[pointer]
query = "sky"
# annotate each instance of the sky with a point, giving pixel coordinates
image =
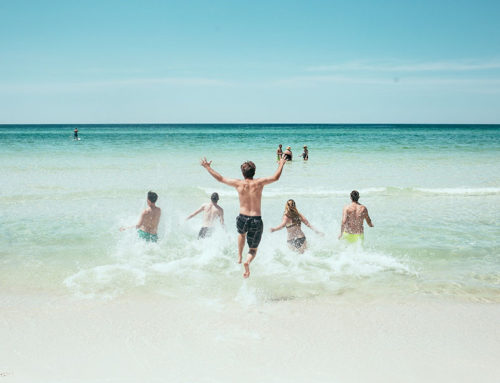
(251, 62)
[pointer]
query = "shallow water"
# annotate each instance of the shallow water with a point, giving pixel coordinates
(433, 193)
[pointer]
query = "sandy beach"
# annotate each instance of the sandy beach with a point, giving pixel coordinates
(157, 339)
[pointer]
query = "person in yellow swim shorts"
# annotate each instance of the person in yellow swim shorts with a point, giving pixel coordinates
(351, 238)
(353, 216)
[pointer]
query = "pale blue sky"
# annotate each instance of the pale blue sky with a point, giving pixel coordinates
(257, 61)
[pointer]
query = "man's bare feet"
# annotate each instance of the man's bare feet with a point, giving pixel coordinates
(246, 274)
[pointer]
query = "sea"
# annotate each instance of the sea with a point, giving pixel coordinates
(432, 191)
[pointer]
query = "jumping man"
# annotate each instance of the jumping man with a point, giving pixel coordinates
(249, 222)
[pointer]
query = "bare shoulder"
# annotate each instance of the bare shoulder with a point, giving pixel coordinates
(261, 181)
(238, 182)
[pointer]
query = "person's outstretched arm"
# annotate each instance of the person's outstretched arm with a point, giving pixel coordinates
(368, 219)
(196, 212)
(344, 220)
(228, 181)
(280, 226)
(308, 224)
(276, 176)
(139, 223)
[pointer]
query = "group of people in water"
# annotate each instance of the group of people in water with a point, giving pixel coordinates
(288, 155)
(249, 223)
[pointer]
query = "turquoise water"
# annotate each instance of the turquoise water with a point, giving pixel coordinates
(433, 193)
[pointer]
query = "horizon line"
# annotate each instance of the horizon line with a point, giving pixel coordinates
(246, 123)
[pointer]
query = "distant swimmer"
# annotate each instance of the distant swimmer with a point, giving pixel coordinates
(292, 220)
(305, 154)
(75, 134)
(211, 211)
(147, 227)
(353, 216)
(249, 223)
(279, 152)
(287, 155)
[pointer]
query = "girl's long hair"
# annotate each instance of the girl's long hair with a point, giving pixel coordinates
(291, 211)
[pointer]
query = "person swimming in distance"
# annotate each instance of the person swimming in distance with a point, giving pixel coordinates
(305, 154)
(147, 227)
(279, 152)
(353, 216)
(75, 134)
(292, 220)
(287, 155)
(211, 211)
(249, 223)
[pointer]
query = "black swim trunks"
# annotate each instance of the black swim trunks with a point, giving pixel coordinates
(253, 226)
(205, 232)
(297, 242)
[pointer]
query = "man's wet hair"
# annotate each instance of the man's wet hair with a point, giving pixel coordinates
(248, 169)
(214, 197)
(152, 196)
(355, 195)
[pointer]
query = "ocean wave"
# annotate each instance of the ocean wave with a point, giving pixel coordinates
(389, 190)
(460, 191)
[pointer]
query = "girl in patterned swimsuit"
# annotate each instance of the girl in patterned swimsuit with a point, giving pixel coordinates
(292, 220)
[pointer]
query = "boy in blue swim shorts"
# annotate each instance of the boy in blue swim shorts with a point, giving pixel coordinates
(147, 227)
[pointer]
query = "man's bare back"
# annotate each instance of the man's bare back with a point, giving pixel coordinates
(147, 226)
(249, 189)
(250, 195)
(149, 220)
(353, 216)
(211, 212)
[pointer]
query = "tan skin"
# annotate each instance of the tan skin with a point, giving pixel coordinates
(211, 211)
(295, 231)
(305, 155)
(149, 219)
(250, 196)
(353, 217)
(279, 152)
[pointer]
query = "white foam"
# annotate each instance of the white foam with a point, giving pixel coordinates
(460, 191)
(275, 192)
(105, 282)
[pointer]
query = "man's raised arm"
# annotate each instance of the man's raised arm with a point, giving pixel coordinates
(276, 176)
(228, 181)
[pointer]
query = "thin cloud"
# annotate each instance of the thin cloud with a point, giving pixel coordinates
(432, 66)
(490, 85)
(112, 84)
